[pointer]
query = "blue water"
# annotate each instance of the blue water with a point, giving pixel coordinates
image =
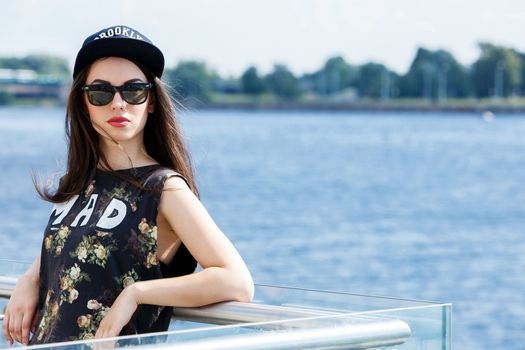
(422, 206)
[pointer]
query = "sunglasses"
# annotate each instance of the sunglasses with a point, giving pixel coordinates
(132, 93)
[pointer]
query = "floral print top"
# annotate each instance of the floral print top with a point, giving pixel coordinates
(96, 244)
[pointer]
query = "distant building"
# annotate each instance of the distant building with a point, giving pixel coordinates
(26, 83)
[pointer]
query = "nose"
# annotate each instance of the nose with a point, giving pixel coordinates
(118, 102)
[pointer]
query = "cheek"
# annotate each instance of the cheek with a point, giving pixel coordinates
(142, 111)
(95, 117)
(91, 114)
(144, 118)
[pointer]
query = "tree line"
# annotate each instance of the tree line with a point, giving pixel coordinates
(498, 72)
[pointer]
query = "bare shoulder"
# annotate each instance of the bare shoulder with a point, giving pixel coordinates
(175, 183)
(178, 202)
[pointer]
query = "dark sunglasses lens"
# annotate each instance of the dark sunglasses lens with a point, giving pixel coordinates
(134, 93)
(100, 95)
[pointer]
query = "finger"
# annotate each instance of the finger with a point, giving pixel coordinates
(12, 327)
(26, 325)
(18, 328)
(5, 328)
(34, 322)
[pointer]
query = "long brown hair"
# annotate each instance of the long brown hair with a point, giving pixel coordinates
(163, 141)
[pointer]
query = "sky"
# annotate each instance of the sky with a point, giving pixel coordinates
(231, 35)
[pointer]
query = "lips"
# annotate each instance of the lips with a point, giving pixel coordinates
(119, 121)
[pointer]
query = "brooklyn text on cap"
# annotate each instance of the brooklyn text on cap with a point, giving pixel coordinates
(120, 41)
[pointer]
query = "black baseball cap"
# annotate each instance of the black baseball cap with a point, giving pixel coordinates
(121, 41)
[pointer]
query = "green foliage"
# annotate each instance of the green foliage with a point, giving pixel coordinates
(375, 80)
(283, 83)
(42, 64)
(458, 80)
(434, 74)
(335, 76)
(522, 59)
(190, 79)
(251, 83)
(230, 85)
(498, 71)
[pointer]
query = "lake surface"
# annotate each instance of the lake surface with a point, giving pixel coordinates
(421, 206)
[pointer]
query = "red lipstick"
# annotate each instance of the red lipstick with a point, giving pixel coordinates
(119, 121)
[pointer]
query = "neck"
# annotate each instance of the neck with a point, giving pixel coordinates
(125, 155)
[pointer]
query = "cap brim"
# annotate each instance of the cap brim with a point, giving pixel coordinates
(142, 52)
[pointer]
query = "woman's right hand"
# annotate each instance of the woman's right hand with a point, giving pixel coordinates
(20, 312)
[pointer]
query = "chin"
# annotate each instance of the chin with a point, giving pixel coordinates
(120, 137)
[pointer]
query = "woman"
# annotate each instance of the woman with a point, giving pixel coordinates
(127, 227)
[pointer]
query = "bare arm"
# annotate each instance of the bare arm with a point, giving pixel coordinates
(20, 312)
(224, 275)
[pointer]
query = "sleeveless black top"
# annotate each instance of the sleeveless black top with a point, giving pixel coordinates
(96, 244)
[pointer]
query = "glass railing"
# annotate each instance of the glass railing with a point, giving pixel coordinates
(285, 318)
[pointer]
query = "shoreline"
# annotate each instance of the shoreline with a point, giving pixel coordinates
(289, 106)
(355, 107)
